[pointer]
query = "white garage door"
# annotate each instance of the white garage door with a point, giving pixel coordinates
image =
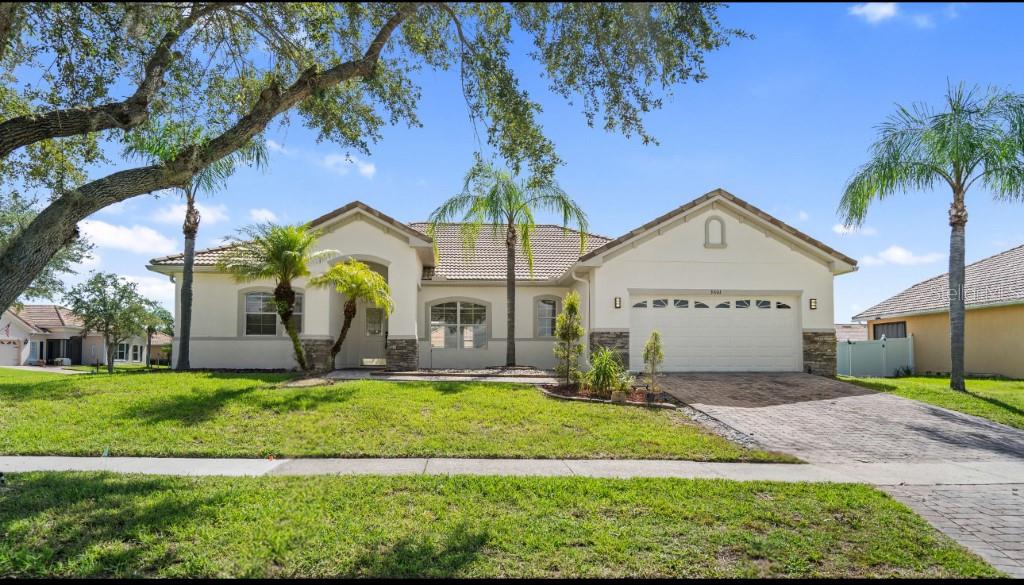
(10, 353)
(746, 333)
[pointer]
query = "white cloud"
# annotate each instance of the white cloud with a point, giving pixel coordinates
(90, 262)
(900, 256)
(262, 215)
(923, 21)
(137, 239)
(175, 214)
(803, 216)
(157, 288)
(853, 230)
(343, 164)
(875, 12)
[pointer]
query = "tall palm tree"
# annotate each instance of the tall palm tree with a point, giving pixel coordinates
(494, 198)
(356, 282)
(163, 143)
(978, 138)
(280, 253)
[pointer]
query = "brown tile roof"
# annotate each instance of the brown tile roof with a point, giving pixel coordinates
(994, 280)
(732, 199)
(207, 257)
(48, 316)
(554, 251)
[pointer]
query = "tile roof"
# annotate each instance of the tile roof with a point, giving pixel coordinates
(851, 332)
(554, 251)
(207, 257)
(994, 280)
(48, 316)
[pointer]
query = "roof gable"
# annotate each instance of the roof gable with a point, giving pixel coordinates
(995, 280)
(781, 228)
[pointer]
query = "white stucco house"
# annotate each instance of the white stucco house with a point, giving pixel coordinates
(729, 287)
(51, 334)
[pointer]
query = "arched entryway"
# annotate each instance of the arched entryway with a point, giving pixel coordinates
(366, 341)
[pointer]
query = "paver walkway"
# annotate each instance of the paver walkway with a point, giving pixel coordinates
(826, 421)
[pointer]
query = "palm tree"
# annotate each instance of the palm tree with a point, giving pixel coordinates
(164, 143)
(978, 138)
(356, 282)
(156, 320)
(280, 253)
(494, 198)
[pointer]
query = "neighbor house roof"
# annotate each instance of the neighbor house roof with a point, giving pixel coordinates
(731, 199)
(851, 332)
(996, 280)
(46, 317)
(554, 248)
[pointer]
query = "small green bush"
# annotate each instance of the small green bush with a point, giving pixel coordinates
(606, 373)
(653, 356)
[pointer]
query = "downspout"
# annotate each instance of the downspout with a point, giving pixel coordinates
(572, 273)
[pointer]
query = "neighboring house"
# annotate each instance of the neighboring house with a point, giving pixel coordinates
(851, 332)
(730, 288)
(161, 348)
(994, 325)
(51, 334)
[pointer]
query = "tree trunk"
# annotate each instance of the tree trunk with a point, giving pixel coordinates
(510, 295)
(110, 357)
(284, 298)
(190, 228)
(149, 349)
(350, 313)
(957, 292)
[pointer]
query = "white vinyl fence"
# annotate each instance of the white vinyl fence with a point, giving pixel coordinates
(882, 358)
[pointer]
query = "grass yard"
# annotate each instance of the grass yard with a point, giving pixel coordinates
(1001, 401)
(247, 415)
(101, 525)
(117, 368)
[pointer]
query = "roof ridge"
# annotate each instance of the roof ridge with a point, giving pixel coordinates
(553, 225)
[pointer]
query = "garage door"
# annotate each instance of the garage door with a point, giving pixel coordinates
(10, 352)
(744, 333)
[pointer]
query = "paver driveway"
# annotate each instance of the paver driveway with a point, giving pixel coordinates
(828, 421)
(822, 420)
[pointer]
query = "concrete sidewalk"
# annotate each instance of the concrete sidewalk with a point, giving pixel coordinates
(881, 474)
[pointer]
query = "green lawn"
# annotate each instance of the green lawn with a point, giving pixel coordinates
(236, 415)
(99, 525)
(117, 368)
(999, 400)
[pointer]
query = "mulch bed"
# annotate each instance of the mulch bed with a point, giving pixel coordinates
(637, 394)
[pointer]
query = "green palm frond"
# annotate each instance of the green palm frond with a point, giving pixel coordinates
(357, 281)
(978, 137)
(272, 252)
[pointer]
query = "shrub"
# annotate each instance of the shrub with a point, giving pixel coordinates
(653, 356)
(568, 332)
(606, 373)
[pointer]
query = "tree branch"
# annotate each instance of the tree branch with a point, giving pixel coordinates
(21, 131)
(26, 254)
(8, 14)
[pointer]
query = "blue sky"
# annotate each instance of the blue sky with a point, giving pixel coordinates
(782, 121)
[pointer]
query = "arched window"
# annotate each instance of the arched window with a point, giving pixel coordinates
(714, 233)
(458, 325)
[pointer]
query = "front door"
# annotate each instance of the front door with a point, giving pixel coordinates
(375, 334)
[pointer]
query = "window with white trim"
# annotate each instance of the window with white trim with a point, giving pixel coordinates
(458, 325)
(122, 352)
(547, 313)
(374, 320)
(136, 353)
(260, 314)
(297, 312)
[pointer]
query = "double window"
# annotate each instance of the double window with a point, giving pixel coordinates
(261, 313)
(136, 353)
(122, 352)
(458, 325)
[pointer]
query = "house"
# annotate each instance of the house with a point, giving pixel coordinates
(729, 287)
(994, 320)
(51, 334)
(851, 332)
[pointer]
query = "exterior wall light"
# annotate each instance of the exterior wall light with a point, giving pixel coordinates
(814, 304)
(618, 302)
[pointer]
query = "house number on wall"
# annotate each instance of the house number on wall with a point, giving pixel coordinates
(715, 291)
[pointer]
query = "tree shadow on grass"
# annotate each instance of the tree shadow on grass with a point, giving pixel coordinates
(200, 406)
(418, 556)
(997, 403)
(60, 389)
(98, 522)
